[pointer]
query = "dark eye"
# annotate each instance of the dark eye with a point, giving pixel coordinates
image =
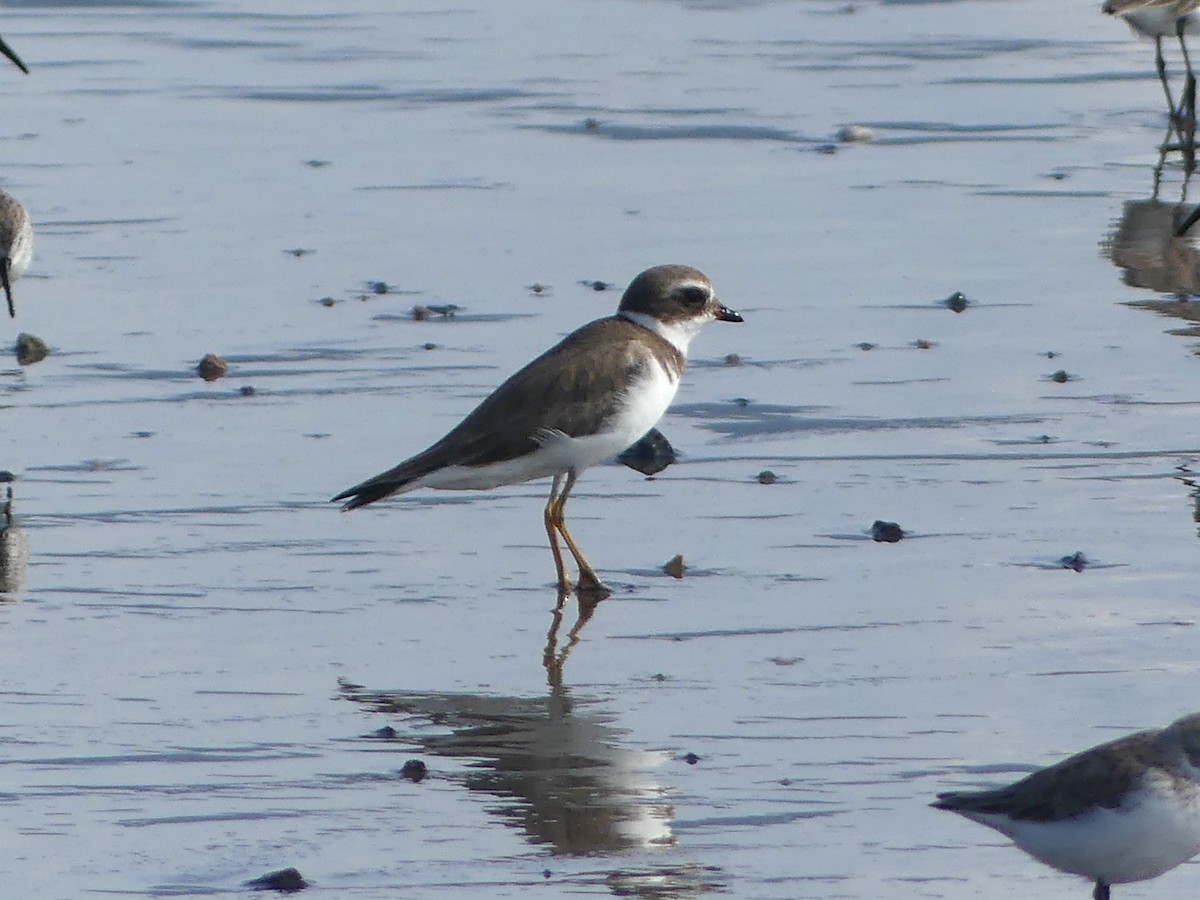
(693, 296)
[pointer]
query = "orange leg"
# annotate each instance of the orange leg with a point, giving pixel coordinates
(551, 516)
(588, 579)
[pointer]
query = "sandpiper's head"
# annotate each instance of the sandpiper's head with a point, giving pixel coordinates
(677, 296)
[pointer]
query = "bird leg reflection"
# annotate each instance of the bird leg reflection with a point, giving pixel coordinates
(556, 524)
(552, 658)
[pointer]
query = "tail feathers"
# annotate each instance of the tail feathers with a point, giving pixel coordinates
(367, 492)
(393, 481)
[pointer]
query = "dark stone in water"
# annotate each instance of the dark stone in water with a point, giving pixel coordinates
(956, 302)
(1062, 376)
(414, 770)
(377, 287)
(30, 349)
(211, 367)
(732, 359)
(597, 285)
(286, 881)
(650, 455)
(387, 733)
(1076, 561)
(865, 345)
(886, 532)
(691, 758)
(247, 391)
(766, 476)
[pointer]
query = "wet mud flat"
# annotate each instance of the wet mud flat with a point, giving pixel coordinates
(210, 674)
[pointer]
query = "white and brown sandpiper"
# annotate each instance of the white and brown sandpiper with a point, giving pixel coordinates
(581, 402)
(1124, 811)
(16, 245)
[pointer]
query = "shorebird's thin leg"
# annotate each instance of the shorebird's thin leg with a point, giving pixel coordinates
(5, 265)
(588, 579)
(1101, 891)
(1187, 103)
(1160, 63)
(552, 515)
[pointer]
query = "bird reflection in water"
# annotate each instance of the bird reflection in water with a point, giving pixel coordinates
(557, 770)
(14, 547)
(1155, 246)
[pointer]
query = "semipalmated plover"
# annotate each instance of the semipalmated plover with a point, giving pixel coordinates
(16, 244)
(1123, 811)
(583, 401)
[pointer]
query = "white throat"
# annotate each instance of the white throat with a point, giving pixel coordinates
(678, 334)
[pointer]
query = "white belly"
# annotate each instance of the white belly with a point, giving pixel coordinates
(1137, 841)
(644, 404)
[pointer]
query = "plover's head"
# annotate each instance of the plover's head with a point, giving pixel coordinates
(675, 302)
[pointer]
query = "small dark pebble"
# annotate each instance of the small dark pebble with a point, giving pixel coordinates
(211, 367)
(675, 566)
(923, 344)
(1052, 354)
(377, 287)
(286, 881)
(1059, 176)
(328, 301)
(732, 359)
(1076, 561)
(317, 163)
(387, 733)
(414, 770)
(538, 288)
(956, 302)
(429, 346)
(650, 455)
(886, 532)
(865, 345)
(691, 758)
(247, 390)
(299, 251)
(741, 402)
(597, 285)
(1062, 376)
(30, 349)
(766, 476)
(546, 873)
(590, 124)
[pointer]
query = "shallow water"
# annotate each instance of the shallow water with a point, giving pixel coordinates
(197, 671)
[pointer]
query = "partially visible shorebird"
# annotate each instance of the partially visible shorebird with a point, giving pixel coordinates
(12, 55)
(583, 401)
(1124, 811)
(16, 245)
(1158, 19)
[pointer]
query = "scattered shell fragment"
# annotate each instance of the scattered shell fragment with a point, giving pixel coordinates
(211, 367)
(855, 134)
(675, 566)
(30, 349)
